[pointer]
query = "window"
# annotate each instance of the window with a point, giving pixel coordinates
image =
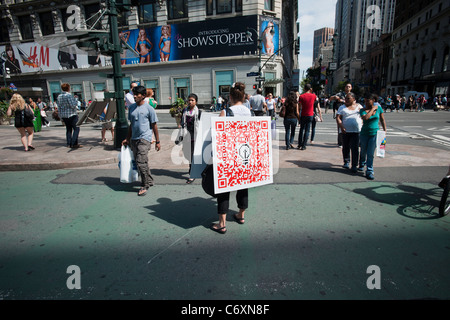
(433, 63)
(268, 5)
(445, 61)
(182, 87)
(46, 19)
(4, 34)
(209, 8)
(25, 27)
(92, 14)
(154, 85)
(99, 86)
(238, 6)
(147, 11)
(177, 9)
(223, 6)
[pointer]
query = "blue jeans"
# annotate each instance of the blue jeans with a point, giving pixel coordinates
(289, 125)
(368, 145)
(72, 131)
(305, 128)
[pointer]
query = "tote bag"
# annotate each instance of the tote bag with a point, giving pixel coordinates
(127, 166)
(381, 143)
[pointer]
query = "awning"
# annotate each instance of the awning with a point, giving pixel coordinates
(273, 82)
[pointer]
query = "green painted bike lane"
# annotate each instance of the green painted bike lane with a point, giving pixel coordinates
(299, 241)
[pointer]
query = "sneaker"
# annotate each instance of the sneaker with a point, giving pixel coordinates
(346, 166)
(353, 170)
(370, 176)
(360, 169)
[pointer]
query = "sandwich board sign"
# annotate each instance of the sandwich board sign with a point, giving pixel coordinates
(242, 152)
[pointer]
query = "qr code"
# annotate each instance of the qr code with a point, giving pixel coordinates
(242, 152)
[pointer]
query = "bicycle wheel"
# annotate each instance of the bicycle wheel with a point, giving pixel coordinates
(444, 206)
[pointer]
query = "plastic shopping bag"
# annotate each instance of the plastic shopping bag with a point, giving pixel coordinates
(127, 166)
(381, 143)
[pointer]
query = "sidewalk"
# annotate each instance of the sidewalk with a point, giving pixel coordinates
(51, 152)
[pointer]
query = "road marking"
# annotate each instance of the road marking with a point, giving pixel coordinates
(437, 136)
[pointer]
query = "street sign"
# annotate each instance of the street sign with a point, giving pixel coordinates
(252, 74)
(260, 79)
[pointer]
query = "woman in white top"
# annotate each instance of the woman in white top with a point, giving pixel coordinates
(237, 94)
(350, 123)
(271, 102)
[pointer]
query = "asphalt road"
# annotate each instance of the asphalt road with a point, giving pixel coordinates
(316, 233)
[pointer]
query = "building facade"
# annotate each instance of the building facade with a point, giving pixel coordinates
(322, 38)
(175, 47)
(420, 48)
(360, 25)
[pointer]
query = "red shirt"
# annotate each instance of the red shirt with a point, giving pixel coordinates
(307, 104)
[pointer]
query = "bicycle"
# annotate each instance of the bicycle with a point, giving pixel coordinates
(444, 206)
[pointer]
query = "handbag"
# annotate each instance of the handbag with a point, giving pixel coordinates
(317, 118)
(282, 112)
(208, 180)
(43, 114)
(55, 115)
(127, 166)
(29, 114)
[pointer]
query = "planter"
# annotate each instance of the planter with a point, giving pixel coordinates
(6, 121)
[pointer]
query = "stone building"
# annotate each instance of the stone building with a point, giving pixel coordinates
(175, 47)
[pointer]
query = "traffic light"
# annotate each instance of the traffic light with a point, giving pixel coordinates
(297, 46)
(255, 86)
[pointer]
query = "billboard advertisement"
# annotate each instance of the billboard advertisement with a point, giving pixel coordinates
(171, 42)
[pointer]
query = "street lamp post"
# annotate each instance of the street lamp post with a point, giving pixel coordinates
(121, 129)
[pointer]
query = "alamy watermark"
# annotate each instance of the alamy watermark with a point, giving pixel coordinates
(373, 17)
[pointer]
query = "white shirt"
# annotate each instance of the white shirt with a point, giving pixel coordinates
(270, 104)
(351, 119)
(240, 110)
(129, 99)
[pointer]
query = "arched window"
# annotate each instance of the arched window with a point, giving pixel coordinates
(405, 65)
(433, 63)
(445, 60)
(422, 66)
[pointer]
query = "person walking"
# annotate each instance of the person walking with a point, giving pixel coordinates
(371, 114)
(317, 118)
(339, 100)
(67, 110)
(349, 120)
(289, 111)
(143, 124)
(237, 93)
(22, 121)
(43, 107)
(190, 120)
(129, 97)
(37, 122)
(306, 106)
(258, 103)
(270, 102)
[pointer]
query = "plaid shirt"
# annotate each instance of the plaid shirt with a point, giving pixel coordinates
(67, 105)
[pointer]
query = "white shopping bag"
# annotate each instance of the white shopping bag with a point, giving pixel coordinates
(127, 166)
(381, 143)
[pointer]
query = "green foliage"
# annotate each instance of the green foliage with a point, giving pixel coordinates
(3, 108)
(177, 107)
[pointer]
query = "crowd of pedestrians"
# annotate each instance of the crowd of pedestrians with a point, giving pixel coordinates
(357, 125)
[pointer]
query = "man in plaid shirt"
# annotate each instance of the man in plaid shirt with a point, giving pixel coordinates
(67, 109)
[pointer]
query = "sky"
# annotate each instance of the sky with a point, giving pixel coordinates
(313, 15)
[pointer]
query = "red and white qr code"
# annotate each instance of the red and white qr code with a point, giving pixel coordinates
(242, 152)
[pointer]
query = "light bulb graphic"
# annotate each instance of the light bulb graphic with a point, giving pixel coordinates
(245, 152)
